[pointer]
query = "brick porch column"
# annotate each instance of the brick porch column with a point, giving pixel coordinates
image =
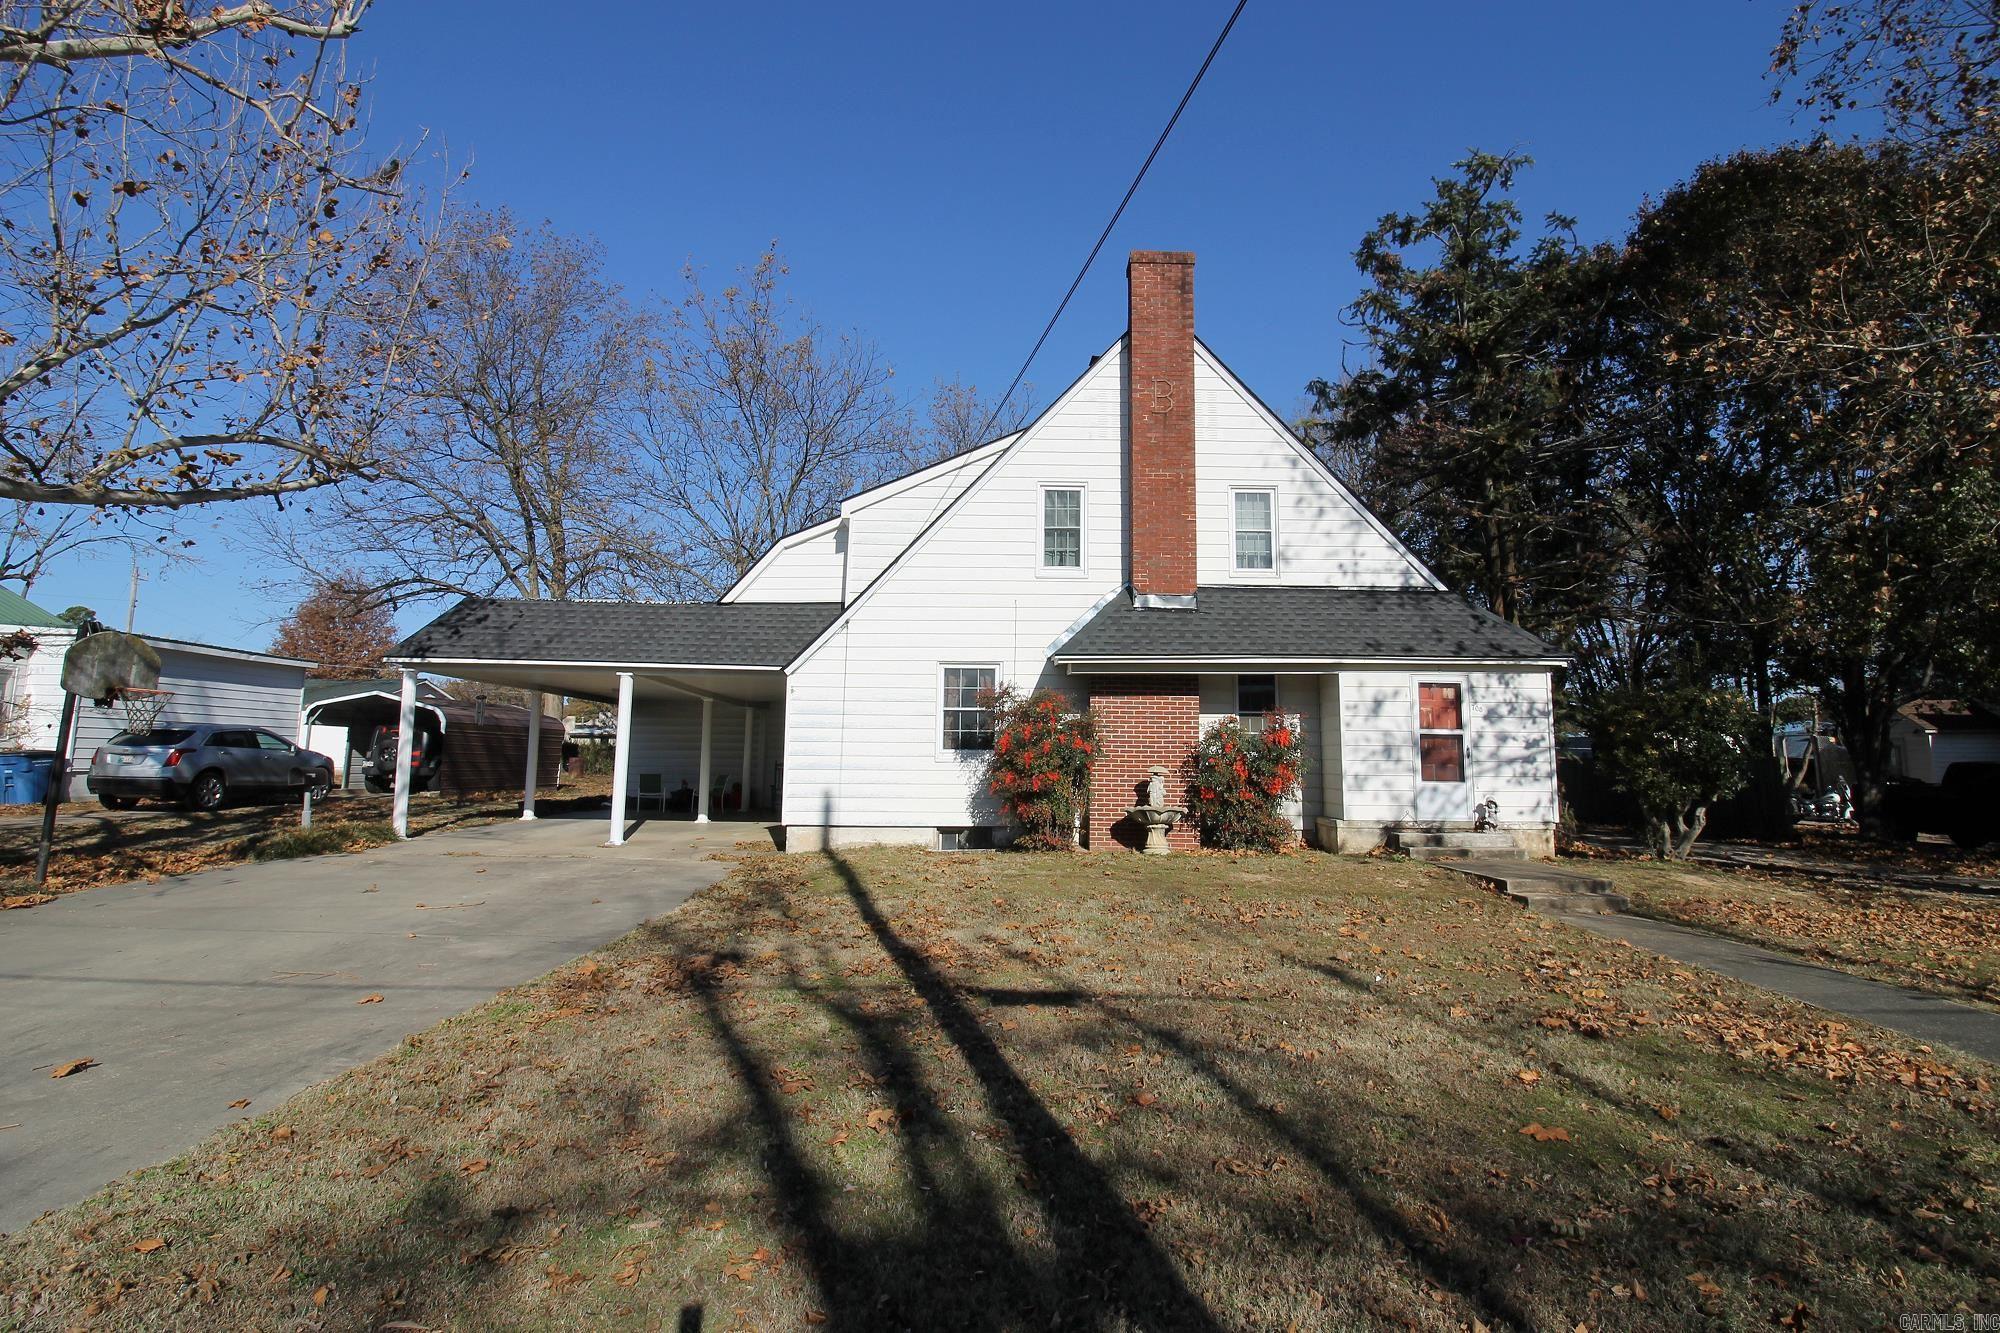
(1141, 721)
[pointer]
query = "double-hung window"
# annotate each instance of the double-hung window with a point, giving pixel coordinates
(1441, 731)
(1255, 696)
(968, 707)
(1254, 527)
(1062, 529)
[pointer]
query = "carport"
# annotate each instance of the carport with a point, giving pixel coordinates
(686, 679)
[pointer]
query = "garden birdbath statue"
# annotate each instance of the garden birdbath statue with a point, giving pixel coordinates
(1156, 816)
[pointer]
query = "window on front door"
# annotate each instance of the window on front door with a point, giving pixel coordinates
(1255, 527)
(1441, 731)
(968, 707)
(1062, 527)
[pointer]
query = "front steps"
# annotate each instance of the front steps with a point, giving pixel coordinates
(1541, 887)
(1456, 846)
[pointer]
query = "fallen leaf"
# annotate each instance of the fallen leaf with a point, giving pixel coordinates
(881, 1118)
(1541, 1133)
(319, 1296)
(838, 1139)
(1666, 1112)
(1703, 1285)
(68, 1067)
(151, 1243)
(1144, 1098)
(369, 999)
(475, 1166)
(1529, 1077)
(239, 1103)
(281, 1131)
(14, 900)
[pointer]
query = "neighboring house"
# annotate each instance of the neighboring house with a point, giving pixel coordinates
(1156, 543)
(485, 745)
(209, 684)
(1927, 736)
(31, 684)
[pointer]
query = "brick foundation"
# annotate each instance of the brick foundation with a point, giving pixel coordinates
(1141, 721)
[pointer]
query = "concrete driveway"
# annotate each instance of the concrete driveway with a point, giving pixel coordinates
(194, 992)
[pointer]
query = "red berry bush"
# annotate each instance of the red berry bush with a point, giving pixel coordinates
(1040, 769)
(1237, 780)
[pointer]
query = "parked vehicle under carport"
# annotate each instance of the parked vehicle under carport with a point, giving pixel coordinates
(203, 766)
(1964, 806)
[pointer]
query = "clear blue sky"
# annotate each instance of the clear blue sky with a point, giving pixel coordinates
(935, 173)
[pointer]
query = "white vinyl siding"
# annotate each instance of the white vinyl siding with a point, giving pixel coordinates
(1509, 743)
(862, 747)
(803, 568)
(1324, 539)
(878, 530)
(666, 739)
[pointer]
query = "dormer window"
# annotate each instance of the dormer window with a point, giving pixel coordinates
(1255, 531)
(1062, 529)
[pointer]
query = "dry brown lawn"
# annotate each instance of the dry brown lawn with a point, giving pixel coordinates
(900, 1090)
(1948, 943)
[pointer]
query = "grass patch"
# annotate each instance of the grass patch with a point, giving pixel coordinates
(320, 839)
(897, 1089)
(1947, 943)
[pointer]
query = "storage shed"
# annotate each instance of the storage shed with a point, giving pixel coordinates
(1930, 735)
(484, 744)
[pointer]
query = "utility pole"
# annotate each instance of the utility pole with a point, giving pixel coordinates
(132, 606)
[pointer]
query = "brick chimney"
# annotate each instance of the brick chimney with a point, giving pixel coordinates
(1159, 460)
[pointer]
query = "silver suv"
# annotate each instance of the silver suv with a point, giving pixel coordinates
(202, 766)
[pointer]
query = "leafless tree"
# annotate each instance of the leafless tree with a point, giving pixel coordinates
(758, 419)
(507, 471)
(203, 272)
(959, 419)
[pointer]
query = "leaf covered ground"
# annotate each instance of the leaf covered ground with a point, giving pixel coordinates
(95, 847)
(902, 1090)
(1948, 943)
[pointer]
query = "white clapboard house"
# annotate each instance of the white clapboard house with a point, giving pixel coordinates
(1157, 543)
(210, 683)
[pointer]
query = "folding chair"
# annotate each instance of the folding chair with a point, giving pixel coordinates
(652, 787)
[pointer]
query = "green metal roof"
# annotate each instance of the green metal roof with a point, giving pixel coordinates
(18, 610)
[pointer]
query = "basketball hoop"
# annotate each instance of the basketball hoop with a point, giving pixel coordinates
(142, 707)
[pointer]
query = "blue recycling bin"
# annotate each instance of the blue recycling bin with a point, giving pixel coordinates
(14, 763)
(23, 787)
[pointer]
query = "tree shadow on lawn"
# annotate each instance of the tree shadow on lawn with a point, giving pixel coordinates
(963, 1256)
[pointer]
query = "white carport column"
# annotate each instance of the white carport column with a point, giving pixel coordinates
(534, 756)
(406, 726)
(749, 722)
(707, 752)
(621, 761)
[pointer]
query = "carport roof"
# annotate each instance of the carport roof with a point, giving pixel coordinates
(623, 634)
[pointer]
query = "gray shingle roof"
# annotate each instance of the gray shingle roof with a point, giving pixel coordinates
(1304, 623)
(739, 634)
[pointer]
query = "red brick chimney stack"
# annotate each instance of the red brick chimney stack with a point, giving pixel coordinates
(1159, 471)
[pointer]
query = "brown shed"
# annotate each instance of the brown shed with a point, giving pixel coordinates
(484, 745)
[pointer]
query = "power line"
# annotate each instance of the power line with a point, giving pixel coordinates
(1117, 213)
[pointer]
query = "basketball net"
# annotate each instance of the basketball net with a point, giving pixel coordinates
(142, 707)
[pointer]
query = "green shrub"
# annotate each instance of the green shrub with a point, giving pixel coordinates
(1238, 780)
(1040, 769)
(1675, 750)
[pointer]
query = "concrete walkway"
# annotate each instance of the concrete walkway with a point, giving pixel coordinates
(244, 982)
(1928, 1018)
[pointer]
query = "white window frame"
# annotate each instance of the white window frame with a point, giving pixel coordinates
(1243, 719)
(1047, 571)
(1237, 571)
(938, 707)
(1464, 732)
